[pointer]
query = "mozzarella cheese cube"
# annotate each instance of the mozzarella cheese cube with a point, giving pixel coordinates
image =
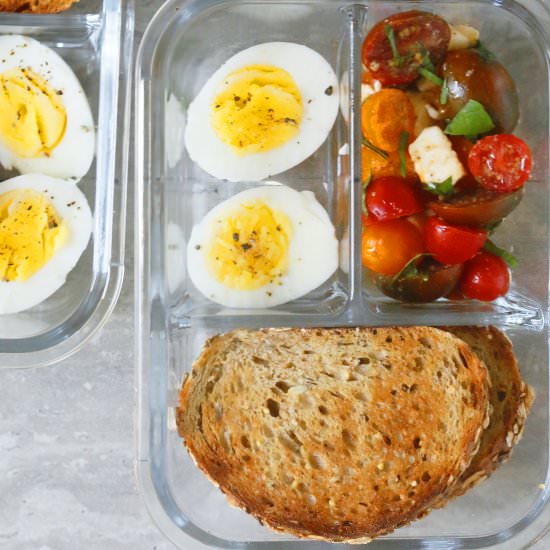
(434, 157)
(462, 37)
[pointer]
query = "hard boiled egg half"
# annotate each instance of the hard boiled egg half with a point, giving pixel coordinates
(265, 110)
(262, 247)
(46, 125)
(45, 225)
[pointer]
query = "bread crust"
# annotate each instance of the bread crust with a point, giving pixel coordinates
(334, 434)
(510, 398)
(35, 6)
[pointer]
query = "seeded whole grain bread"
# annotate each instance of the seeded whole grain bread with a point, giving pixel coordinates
(35, 6)
(511, 400)
(334, 434)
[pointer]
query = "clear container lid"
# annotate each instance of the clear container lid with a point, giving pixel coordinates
(96, 40)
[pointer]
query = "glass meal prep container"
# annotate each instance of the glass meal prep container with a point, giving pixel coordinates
(184, 44)
(95, 39)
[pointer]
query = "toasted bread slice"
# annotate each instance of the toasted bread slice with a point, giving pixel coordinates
(510, 399)
(36, 6)
(335, 434)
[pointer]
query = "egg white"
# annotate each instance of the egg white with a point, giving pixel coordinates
(74, 154)
(312, 252)
(72, 206)
(313, 76)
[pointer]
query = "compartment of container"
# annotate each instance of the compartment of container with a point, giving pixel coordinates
(95, 40)
(181, 48)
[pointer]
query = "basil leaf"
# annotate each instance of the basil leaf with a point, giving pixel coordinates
(442, 188)
(483, 52)
(508, 257)
(403, 142)
(377, 150)
(472, 119)
(444, 94)
(429, 75)
(426, 60)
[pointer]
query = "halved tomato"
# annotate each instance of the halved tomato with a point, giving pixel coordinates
(476, 208)
(413, 33)
(430, 281)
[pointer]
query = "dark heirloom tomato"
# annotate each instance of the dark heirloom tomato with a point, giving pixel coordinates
(477, 208)
(501, 163)
(388, 246)
(415, 32)
(485, 277)
(430, 282)
(469, 76)
(452, 244)
(391, 197)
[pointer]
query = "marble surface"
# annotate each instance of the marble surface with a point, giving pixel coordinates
(67, 478)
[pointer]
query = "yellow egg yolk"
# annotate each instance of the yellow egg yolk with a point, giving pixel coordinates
(260, 108)
(30, 233)
(250, 248)
(32, 115)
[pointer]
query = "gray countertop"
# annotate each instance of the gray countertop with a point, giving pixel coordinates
(67, 478)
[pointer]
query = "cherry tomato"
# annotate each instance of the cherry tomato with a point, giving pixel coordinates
(388, 246)
(385, 115)
(470, 76)
(478, 208)
(415, 32)
(432, 281)
(485, 277)
(500, 163)
(392, 197)
(452, 244)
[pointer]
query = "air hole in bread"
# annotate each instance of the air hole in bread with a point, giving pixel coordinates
(463, 359)
(389, 339)
(364, 504)
(209, 387)
(426, 477)
(364, 360)
(308, 352)
(329, 374)
(376, 488)
(387, 366)
(323, 409)
(283, 386)
(260, 361)
(393, 392)
(273, 407)
(348, 439)
(439, 374)
(416, 443)
(246, 458)
(267, 502)
(418, 364)
(501, 396)
(316, 461)
(336, 394)
(289, 443)
(302, 487)
(396, 498)
(426, 342)
(360, 396)
(245, 442)
(387, 439)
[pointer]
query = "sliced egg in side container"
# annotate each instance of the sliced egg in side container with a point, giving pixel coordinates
(265, 110)
(45, 226)
(46, 125)
(262, 247)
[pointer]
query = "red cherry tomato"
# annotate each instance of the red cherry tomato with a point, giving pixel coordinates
(500, 163)
(391, 197)
(485, 277)
(452, 244)
(415, 32)
(388, 246)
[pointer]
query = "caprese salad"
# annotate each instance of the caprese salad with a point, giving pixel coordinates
(440, 166)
